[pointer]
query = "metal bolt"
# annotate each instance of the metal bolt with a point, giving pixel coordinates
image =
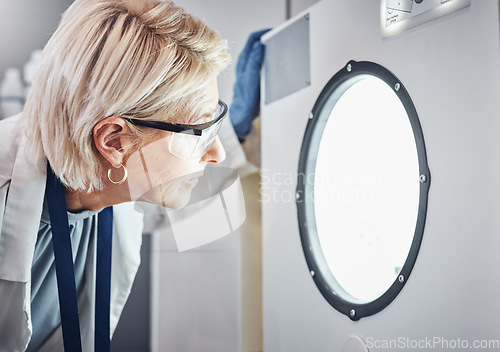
(306, 16)
(401, 278)
(297, 195)
(349, 68)
(312, 272)
(352, 313)
(311, 115)
(397, 87)
(423, 178)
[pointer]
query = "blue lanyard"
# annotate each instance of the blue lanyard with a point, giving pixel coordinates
(65, 272)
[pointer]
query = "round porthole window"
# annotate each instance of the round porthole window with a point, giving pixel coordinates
(362, 189)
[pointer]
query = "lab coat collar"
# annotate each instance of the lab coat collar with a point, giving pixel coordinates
(23, 204)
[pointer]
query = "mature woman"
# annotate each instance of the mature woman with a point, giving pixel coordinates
(124, 108)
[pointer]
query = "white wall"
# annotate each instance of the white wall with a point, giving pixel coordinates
(26, 26)
(235, 20)
(297, 6)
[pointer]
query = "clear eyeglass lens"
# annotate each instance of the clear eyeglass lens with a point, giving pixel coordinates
(184, 145)
(187, 145)
(190, 146)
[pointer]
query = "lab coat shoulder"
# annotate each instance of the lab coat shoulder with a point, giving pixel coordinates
(7, 157)
(22, 188)
(15, 323)
(9, 141)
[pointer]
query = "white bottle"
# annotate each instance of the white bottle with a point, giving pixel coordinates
(11, 93)
(29, 70)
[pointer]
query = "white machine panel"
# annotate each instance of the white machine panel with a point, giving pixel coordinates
(451, 69)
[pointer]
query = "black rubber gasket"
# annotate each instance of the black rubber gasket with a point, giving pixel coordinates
(352, 73)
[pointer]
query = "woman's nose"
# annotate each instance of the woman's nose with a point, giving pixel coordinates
(215, 154)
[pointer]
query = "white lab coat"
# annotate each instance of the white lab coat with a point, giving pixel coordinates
(22, 191)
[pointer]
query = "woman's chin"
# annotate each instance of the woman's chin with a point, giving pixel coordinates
(178, 201)
(173, 196)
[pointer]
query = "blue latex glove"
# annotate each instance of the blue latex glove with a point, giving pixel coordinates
(246, 99)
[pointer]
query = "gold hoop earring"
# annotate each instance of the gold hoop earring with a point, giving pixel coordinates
(122, 180)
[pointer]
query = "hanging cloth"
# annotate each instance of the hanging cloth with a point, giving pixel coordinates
(246, 99)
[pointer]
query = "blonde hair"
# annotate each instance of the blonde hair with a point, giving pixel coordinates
(136, 58)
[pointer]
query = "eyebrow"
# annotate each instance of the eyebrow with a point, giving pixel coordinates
(210, 113)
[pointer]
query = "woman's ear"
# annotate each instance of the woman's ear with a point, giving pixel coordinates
(112, 138)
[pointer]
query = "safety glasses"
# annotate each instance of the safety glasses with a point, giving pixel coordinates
(189, 141)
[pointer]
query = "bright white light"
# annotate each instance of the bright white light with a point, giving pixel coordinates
(367, 189)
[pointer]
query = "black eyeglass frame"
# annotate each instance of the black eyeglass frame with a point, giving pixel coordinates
(196, 129)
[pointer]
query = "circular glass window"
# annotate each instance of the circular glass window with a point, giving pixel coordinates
(362, 189)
